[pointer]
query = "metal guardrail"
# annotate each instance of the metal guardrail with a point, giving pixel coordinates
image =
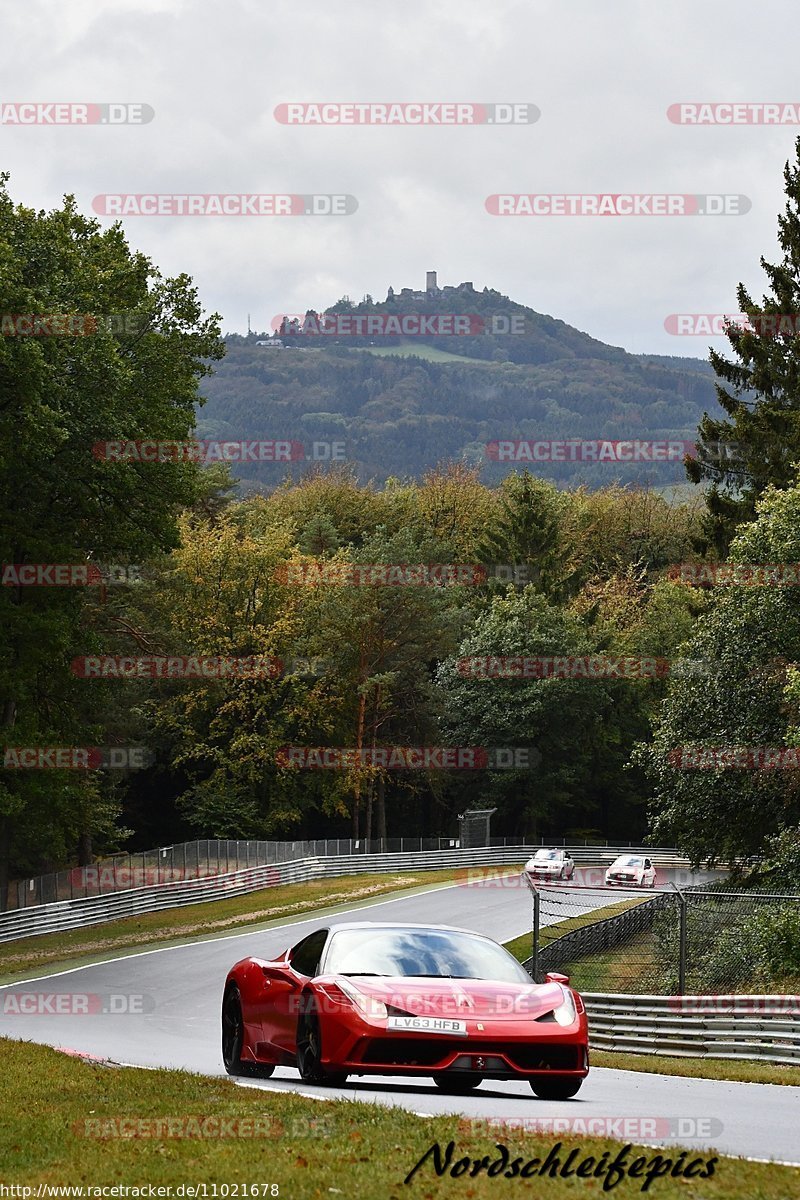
(76, 914)
(740, 1027)
(219, 856)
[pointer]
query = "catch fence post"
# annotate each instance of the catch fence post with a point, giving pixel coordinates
(535, 948)
(682, 945)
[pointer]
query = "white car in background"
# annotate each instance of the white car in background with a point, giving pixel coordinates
(550, 864)
(632, 869)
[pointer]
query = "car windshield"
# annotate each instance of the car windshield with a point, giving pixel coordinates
(435, 953)
(546, 855)
(629, 861)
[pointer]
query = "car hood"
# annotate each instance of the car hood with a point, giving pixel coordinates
(461, 998)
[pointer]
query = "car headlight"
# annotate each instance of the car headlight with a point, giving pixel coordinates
(566, 1013)
(368, 1006)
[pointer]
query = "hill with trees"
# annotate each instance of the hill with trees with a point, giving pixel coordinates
(401, 405)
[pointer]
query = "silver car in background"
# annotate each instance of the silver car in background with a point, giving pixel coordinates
(549, 863)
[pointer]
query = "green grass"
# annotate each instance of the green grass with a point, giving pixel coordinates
(61, 1113)
(699, 1068)
(273, 904)
(626, 968)
(420, 350)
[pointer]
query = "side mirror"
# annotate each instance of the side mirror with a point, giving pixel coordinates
(556, 977)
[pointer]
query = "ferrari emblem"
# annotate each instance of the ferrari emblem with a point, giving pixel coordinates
(480, 1063)
(480, 1027)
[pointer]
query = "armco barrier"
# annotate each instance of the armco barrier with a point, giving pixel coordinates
(76, 914)
(743, 1027)
(219, 856)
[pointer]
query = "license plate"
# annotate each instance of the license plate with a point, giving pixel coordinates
(426, 1025)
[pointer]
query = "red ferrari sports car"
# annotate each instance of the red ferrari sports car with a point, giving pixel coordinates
(365, 998)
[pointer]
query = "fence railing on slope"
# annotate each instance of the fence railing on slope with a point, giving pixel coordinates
(208, 856)
(595, 937)
(702, 937)
(76, 913)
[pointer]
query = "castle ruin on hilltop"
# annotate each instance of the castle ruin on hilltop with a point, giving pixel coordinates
(431, 289)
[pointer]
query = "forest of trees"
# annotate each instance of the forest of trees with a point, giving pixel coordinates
(404, 413)
(212, 570)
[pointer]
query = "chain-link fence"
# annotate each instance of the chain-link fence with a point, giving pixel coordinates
(697, 940)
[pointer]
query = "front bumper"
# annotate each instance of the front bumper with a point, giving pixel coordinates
(500, 1050)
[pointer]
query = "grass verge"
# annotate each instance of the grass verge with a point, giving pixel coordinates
(699, 1068)
(521, 947)
(197, 920)
(77, 1124)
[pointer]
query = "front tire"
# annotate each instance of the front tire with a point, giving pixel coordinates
(309, 1049)
(457, 1083)
(233, 1038)
(558, 1088)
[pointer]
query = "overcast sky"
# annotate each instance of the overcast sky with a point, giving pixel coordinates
(602, 72)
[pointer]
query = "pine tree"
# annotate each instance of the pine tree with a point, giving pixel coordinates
(759, 445)
(529, 534)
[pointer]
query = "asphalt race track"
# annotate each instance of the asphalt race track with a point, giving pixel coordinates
(176, 993)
